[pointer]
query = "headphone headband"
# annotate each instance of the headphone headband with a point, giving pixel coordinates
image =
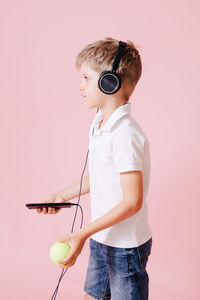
(118, 56)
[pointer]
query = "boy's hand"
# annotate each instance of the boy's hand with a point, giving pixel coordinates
(76, 241)
(53, 198)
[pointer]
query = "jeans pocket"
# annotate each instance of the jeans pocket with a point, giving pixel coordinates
(132, 261)
(144, 251)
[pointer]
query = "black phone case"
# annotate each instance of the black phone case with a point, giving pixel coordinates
(55, 205)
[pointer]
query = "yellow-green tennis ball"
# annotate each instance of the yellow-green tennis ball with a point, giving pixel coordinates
(59, 251)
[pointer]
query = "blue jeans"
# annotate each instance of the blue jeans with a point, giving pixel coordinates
(116, 272)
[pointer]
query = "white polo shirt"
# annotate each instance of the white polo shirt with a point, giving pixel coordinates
(119, 145)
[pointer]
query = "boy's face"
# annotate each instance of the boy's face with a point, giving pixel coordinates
(89, 89)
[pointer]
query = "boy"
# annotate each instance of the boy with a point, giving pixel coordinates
(118, 181)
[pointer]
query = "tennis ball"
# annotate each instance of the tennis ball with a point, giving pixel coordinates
(59, 251)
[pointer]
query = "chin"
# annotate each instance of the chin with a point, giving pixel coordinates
(89, 105)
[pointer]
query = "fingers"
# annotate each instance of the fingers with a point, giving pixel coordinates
(39, 210)
(52, 198)
(52, 210)
(69, 264)
(44, 210)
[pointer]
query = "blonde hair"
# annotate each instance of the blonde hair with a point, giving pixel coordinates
(100, 56)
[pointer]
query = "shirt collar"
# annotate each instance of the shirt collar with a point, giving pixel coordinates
(114, 117)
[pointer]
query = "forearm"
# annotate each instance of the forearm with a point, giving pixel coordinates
(118, 213)
(74, 190)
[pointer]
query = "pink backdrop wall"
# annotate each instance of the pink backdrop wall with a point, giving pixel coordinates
(44, 136)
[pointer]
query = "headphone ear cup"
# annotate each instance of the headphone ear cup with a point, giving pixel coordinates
(109, 82)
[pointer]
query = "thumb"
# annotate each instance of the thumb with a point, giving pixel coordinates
(58, 198)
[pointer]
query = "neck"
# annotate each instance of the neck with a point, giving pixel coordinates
(107, 110)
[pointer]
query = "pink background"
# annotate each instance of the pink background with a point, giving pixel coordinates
(44, 136)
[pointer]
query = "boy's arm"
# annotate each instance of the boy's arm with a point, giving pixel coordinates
(132, 190)
(132, 187)
(73, 190)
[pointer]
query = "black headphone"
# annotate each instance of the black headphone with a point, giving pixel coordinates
(109, 81)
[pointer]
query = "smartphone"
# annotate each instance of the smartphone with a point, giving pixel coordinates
(54, 205)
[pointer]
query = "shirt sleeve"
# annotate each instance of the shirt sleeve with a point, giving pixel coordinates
(128, 151)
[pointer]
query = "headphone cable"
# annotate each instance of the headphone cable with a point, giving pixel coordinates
(65, 270)
(77, 205)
